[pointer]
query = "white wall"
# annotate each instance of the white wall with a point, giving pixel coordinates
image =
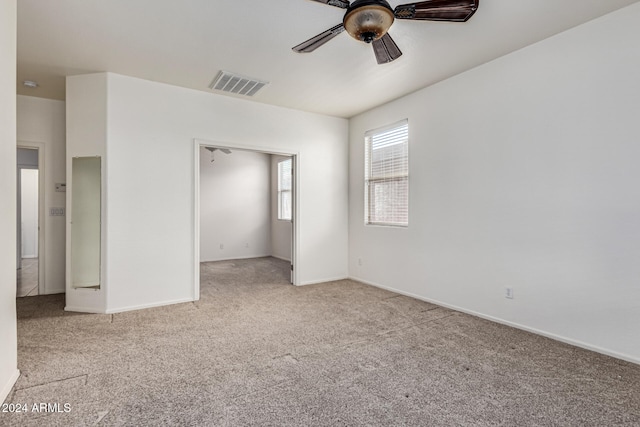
(524, 174)
(8, 338)
(150, 180)
(281, 231)
(234, 205)
(43, 121)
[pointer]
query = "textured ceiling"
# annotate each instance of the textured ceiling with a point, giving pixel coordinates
(186, 43)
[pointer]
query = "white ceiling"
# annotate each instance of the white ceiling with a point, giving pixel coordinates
(186, 42)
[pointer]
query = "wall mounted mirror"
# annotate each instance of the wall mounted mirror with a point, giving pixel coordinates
(85, 222)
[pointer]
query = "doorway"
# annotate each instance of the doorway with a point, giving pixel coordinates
(243, 180)
(29, 245)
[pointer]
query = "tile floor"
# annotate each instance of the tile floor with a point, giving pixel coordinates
(28, 278)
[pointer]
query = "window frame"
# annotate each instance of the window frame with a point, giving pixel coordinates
(282, 192)
(370, 181)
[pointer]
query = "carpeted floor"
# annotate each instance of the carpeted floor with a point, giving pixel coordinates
(258, 351)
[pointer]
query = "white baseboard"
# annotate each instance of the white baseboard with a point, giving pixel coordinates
(6, 389)
(315, 282)
(279, 257)
(83, 309)
(143, 306)
(546, 334)
(235, 257)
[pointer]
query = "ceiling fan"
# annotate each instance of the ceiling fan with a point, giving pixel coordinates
(369, 20)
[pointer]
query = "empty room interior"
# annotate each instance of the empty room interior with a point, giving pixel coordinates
(319, 212)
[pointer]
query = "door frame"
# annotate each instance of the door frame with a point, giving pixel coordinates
(295, 155)
(30, 145)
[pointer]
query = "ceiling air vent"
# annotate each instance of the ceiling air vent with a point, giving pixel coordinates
(235, 83)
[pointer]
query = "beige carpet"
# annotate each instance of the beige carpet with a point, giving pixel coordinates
(257, 351)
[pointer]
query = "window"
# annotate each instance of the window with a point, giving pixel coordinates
(386, 194)
(284, 190)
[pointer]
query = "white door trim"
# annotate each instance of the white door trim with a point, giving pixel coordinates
(41, 210)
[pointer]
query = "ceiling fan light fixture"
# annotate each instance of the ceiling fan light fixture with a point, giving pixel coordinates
(368, 20)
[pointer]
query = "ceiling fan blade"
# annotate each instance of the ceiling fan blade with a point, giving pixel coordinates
(315, 42)
(438, 10)
(386, 49)
(337, 3)
(225, 150)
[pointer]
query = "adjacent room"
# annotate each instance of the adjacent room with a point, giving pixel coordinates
(245, 201)
(319, 212)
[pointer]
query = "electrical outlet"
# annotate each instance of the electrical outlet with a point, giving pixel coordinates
(246, 245)
(221, 245)
(508, 293)
(360, 261)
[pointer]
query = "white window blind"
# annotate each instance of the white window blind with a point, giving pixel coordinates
(284, 190)
(386, 195)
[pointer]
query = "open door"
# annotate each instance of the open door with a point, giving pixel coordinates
(28, 215)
